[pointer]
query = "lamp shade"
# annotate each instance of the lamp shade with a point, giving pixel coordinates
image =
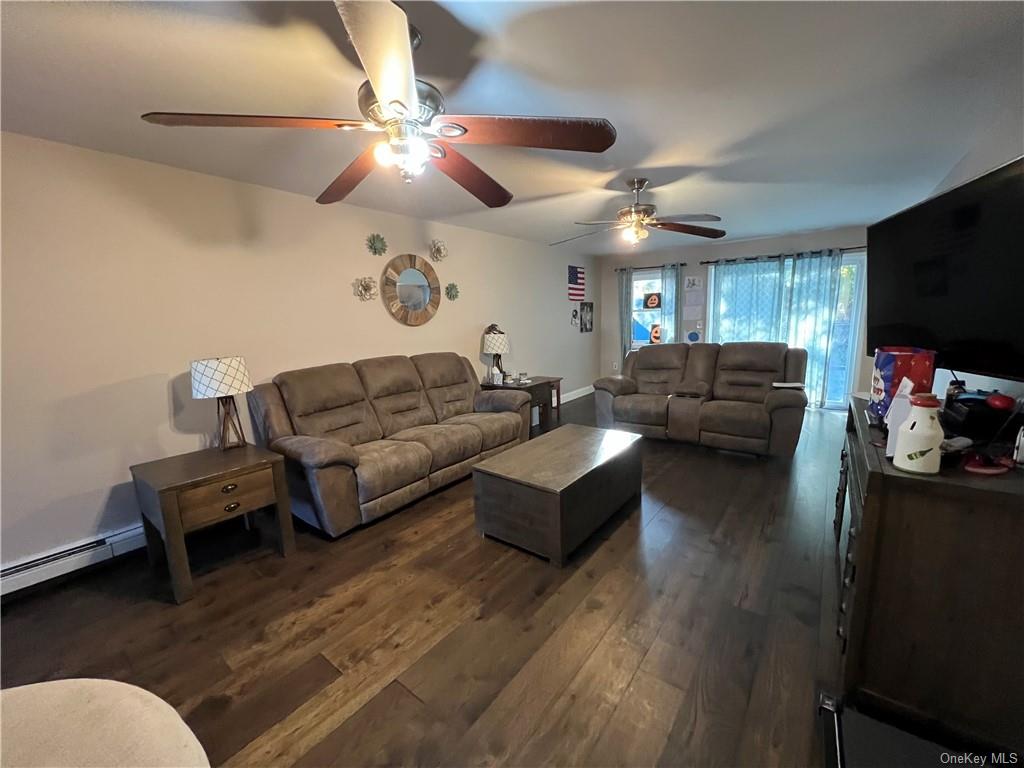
(219, 377)
(495, 344)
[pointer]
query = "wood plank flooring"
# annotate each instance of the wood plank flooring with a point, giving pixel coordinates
(692, 629)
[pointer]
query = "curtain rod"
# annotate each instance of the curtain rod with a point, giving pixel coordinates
(738, 258)
(775, 256)
(657, 266)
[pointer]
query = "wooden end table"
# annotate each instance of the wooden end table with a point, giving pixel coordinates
(184, 493)
(539, 389)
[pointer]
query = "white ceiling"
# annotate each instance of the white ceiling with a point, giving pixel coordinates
(779, 117)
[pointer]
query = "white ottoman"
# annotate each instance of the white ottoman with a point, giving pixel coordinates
(83, 722)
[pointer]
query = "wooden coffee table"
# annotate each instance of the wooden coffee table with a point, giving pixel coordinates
(551, 493)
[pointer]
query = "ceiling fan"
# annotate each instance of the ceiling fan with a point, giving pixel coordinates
(634, 220)
(411, 115)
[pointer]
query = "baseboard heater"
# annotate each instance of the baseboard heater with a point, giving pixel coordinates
(53, 564)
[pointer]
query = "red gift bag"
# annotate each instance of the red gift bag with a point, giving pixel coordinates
(892, 365)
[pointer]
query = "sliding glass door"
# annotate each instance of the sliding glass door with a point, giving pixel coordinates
(845, 344)
(810, 300)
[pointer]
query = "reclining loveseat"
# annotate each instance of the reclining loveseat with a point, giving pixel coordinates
(722, 396)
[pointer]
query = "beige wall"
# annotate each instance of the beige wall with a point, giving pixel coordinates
(692, 255)
(117, 272)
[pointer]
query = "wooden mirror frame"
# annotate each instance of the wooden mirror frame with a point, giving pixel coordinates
(389, 289)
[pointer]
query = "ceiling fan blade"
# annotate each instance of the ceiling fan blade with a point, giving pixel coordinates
(688, 229)
(596, 223)
(469, 176)
(588, 234)
(349, 179)
(582, 134)
(254, 121)
(379, 31)
(690, 217)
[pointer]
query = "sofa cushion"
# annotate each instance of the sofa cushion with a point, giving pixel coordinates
(395, 391)
(658, 368)
(747, 369)
(448, 443)
(641, 409)
(387, 465)
(495, 428)
(329, 401)
(449, 382)
(732, 417)
(700, 371)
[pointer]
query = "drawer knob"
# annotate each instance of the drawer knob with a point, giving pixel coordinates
(853, 532)
(229, 488)
(840, 631)
(848, 581)
(849, 557)
(232, 506)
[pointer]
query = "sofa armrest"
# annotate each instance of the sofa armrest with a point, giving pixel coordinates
(616, 385)
(500, 400)
(785, 398)
(316, 452)
(699, 389)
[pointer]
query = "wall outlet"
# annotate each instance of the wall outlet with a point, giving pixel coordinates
(615, 366)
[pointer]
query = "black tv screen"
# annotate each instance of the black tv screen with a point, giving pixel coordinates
(948, 274)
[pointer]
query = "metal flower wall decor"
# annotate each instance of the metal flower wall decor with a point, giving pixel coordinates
(452, 291)
(376, 244)
(365, 288)
(438, 250)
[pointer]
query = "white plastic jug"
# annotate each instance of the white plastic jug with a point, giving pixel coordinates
(919, 438)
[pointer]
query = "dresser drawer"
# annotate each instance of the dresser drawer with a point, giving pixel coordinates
(844, 620)
(858, 469)
(223, 499)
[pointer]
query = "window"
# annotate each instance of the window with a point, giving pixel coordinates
(645, 283)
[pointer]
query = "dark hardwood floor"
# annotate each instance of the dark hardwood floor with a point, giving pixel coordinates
(691, 630)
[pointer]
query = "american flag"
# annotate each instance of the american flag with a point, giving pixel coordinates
(577, 284)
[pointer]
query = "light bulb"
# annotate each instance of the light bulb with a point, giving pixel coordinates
(418, 150)
(383, 155)
(411, 154)
(642, 233)
(629, 236)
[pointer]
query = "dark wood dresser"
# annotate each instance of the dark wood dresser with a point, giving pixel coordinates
(931, 594)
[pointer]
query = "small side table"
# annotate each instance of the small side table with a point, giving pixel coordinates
(184, 493)
(539, 389)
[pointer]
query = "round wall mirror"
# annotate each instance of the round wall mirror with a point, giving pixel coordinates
(410, 289)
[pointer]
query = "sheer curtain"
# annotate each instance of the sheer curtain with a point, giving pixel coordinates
(672, 321)
(625, 311)
(789, 298)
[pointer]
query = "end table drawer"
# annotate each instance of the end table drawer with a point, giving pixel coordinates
(225, 499)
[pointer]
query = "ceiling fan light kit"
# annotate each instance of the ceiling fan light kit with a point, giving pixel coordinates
(411, 114)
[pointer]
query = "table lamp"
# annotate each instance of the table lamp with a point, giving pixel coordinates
(495, 343)
(223, 378)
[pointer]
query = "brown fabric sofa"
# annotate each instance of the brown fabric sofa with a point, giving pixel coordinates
(715, 395)
(363, 439)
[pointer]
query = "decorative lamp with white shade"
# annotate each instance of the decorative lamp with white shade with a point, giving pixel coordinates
(223, 378)
(495, 343)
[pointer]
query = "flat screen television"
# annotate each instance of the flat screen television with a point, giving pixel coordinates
(948, 274)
